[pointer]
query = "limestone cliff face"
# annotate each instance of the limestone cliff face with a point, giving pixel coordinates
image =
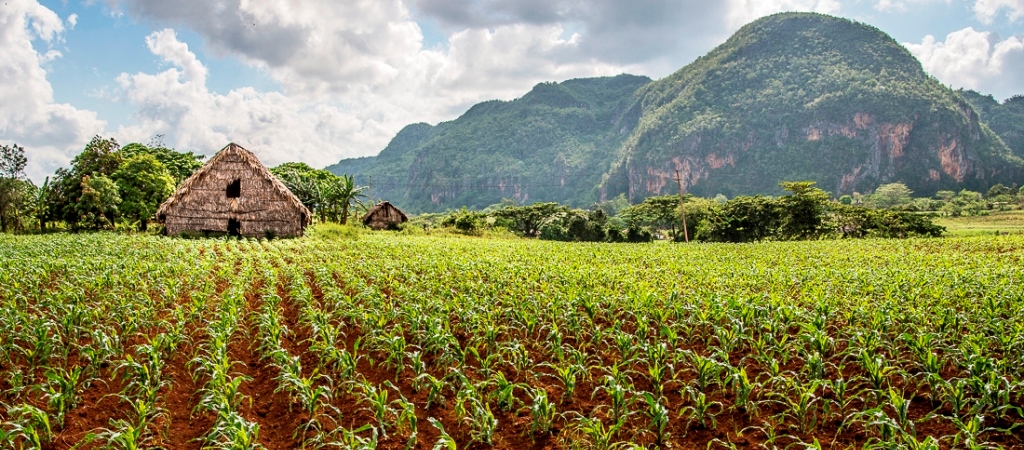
(885, 152)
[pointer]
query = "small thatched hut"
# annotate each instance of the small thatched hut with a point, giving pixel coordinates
(236, 194)
(384, 215)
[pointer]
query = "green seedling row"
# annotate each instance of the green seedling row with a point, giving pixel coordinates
(113, 341)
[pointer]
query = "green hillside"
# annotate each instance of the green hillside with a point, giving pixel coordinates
(1005, 119)
(791, 96)
(805, 97)
(553, 144)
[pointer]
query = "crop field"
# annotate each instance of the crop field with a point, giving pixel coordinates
(997, 222)
(124, 342)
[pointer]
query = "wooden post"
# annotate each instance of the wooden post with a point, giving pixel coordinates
(682, 206)
(371, 192)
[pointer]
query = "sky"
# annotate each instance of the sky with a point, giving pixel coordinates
(321, 80)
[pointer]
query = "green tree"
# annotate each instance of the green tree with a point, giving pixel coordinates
(965, 203)
(945, 195)
(12, 184)
(97, 206)
(143, 183)
(744, 219)
(527, 220)
(661, 212)
(100, 158)
(999, 190)
(891, 195)
(308, 184)
(342, 193)
(41, 208)
(804, 216)
(179, 165)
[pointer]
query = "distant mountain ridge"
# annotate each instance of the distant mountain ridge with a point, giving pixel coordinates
(553, 144)
(793, 96)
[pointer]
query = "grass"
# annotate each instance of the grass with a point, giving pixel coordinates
(1003, 222)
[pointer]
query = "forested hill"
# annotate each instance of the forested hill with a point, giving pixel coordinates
(1005, 119)
(553, 144)
(806, 97)
(791, 96)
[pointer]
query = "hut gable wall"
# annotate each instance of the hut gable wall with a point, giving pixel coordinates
(384, 215)
(263, 205)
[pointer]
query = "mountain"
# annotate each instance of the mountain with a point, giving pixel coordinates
(792, 96)
(798, 96)
(552, 144)
(1005, 119)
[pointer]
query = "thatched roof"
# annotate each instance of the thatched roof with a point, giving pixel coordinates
(384, 215)
(201, 198)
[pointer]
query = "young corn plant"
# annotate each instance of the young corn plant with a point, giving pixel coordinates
(231, 431)
(352, 439)
(313, 393)
(800, 404)
(599, 436)
(30, 424)
(444, 441)
(621, 398)
(435, 388)
(406, 420)
(706, 370)
(481, 421)
(61, 391)
(376, 399)
(901, 406)
(700, 410)
(542, 412)
(658, 418)
(742, 389)
(971, 431)
(877, 371)
(569, 375)
(504, 393)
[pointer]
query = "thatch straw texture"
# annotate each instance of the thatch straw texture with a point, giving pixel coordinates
(384, 215)
(261, 205)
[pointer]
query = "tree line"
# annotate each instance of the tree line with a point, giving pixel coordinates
(105, 184)
(807, 212)
(109, 186)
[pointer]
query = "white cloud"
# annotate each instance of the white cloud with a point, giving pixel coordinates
(72, 21)
(987, 10)
(50, 132)
(974, 60)
(313, 47)
(432, 85)
(166, 45)
(352, 77)
(902, 5)
(742, 12)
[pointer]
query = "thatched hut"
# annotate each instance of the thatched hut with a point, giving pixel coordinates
(383, 216)
(234, 193)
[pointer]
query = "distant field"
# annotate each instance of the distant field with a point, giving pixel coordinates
(1004, 222)
(394, 342)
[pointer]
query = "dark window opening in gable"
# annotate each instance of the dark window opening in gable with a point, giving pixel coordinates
(235, 189)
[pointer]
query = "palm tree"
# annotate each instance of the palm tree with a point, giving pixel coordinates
(342, 192)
